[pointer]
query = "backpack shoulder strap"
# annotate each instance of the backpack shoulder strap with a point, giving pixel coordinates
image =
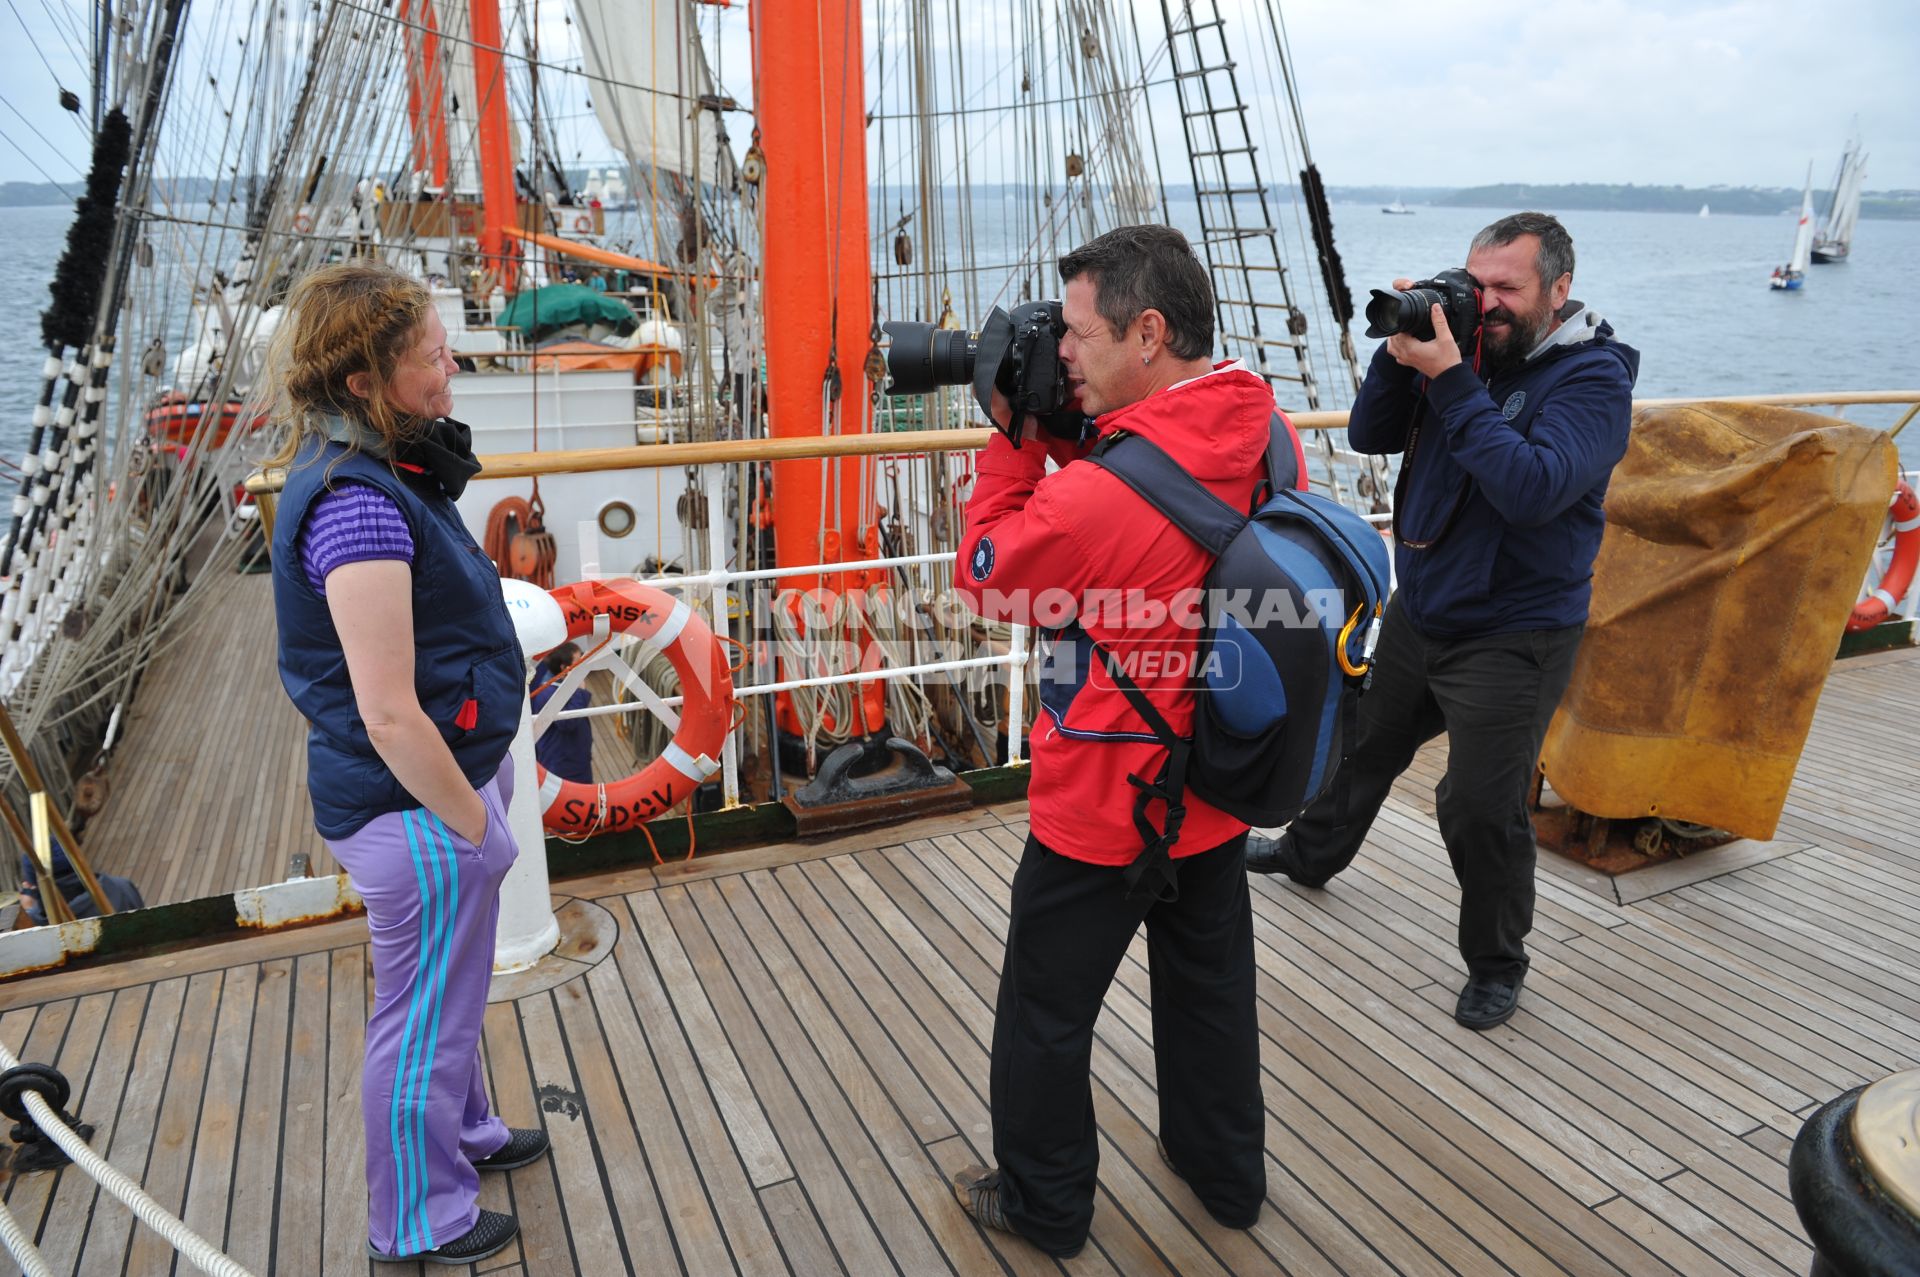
(1161, 481)
(1283, 463)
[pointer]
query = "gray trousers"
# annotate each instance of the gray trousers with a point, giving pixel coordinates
(1493, 696)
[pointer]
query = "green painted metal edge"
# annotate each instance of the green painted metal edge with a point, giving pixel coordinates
(1884, 637)
(725, 830)
(208, 919)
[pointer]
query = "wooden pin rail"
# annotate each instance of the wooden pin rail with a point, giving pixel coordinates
(656, 456)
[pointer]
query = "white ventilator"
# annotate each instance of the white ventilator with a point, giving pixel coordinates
(528, 930)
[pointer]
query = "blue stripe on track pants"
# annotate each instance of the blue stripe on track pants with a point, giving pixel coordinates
(432, 905)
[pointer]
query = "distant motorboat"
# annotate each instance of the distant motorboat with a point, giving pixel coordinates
(1397, 207)
(1794, 273)
(1835, 239)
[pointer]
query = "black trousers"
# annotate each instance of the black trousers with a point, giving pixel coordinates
(1071, 924)
(1493, 697)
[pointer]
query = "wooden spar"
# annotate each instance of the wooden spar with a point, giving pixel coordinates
(812, 120)
(587, 252)
(495, 142)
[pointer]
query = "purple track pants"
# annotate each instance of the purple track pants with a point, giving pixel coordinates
(432, 905)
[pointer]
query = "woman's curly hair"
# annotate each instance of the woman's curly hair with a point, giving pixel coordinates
(355, 317)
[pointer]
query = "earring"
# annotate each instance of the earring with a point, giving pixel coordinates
(1145, 360)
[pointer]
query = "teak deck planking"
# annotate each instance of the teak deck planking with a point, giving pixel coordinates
(784, 1057)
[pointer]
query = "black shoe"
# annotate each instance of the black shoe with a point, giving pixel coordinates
(522, 1146)
(489, 1236)
(1218, 1218)
(1278, 856)
(977, 1189)
(1489, 1000)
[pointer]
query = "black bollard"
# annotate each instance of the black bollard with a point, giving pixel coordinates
(1857, 1228)
(37, 1151)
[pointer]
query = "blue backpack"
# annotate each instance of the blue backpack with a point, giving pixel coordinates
(1293, 605)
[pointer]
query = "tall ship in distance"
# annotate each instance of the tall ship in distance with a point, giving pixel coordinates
(1834, 242)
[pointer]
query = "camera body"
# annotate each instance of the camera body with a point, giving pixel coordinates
(1017, 353)
(1410, 311)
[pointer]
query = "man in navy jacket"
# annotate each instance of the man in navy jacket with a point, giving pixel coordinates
(1507, 451)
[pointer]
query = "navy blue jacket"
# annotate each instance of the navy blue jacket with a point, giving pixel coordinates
(1506, 480)
(566, 748)
(468, 669)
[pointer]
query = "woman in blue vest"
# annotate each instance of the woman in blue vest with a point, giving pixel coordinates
(396, 646)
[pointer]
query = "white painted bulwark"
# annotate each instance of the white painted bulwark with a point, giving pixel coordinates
(38, 948)
(296, 900)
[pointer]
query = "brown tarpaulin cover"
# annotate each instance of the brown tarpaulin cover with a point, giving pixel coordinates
(1737, 537)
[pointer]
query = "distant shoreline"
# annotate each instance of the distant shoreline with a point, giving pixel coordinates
(1756, 201)
(1752, 201)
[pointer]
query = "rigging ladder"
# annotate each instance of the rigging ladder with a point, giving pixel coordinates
(1237, 237)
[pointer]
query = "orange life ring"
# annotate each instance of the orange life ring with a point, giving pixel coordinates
(670, 627)
(302, 222)
(1904, 511)
(582, 223)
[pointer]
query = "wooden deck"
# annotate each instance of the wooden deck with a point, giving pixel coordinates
(210, 778)
(784, 1055)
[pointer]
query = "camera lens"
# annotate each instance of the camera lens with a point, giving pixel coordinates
(1393, 311)
(923, 357)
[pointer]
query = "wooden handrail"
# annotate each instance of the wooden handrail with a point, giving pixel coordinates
(657, 456)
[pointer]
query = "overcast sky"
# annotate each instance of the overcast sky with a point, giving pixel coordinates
(1434, 92)
(1646, 91)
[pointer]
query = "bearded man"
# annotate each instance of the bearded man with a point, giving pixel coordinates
(1497, 518)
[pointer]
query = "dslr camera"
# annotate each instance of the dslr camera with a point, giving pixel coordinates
(1017, 353)
(1410, 311)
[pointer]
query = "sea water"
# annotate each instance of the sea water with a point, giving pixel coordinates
(1689, 292)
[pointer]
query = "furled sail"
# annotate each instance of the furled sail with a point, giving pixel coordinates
(462, 97)
(647, 78)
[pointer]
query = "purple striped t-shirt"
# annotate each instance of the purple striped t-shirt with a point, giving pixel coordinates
(353, 523)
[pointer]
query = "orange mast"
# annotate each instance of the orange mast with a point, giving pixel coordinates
(495, 142)
(426, 95)
(810, 101)
(811, 106)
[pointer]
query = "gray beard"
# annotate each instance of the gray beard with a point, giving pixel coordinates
(1510, 352)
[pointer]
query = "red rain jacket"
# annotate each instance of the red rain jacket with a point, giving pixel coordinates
(1045, 549)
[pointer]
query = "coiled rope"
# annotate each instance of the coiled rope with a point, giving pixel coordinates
(195, 1249)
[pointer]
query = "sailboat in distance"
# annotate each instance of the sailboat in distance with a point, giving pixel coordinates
(1835, 239)
(1794, 273)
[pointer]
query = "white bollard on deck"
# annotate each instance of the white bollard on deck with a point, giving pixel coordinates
(528, 930)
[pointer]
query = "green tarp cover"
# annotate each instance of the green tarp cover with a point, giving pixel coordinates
(539, 311)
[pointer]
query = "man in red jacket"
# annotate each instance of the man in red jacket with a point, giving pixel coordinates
(1078, 553)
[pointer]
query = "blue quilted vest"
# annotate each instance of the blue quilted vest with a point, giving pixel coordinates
(469, 672)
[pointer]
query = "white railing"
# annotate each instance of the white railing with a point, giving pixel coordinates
(715, 583)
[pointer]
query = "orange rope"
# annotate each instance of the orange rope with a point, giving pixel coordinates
(650, 845)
